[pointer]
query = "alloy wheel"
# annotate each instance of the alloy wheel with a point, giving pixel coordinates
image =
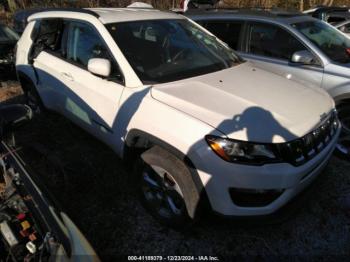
(162, 192)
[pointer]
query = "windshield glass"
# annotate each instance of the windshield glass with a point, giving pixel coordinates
(6, 34)
(167, 50)
(333, 43)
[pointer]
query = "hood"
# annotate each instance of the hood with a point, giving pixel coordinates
(249, 104)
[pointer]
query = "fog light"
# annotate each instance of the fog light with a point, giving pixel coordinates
(253, 198)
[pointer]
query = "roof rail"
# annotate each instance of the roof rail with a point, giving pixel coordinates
(272, 10)
(76, 10)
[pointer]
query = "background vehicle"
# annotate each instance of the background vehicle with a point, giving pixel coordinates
(194, 4)
(330, 14)
(32, 226)
(20, 18)
(344, 27)
(171, 97)
(292, 45)
(8, 41)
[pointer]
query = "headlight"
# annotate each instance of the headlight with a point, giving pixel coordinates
(242, 152)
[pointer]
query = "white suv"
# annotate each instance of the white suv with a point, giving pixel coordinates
(209, 127)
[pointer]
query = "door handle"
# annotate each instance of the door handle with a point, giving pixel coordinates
(68, 76)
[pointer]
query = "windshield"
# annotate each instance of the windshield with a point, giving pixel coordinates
(6, 34)
(167, 50)
(333, 43)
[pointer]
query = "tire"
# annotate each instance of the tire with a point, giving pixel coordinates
(32, 97)
(166, 188)
(343, 146)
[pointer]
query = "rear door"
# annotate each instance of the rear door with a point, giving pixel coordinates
(46, 55)
(271, 47)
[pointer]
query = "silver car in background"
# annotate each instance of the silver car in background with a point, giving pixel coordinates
(293, 45)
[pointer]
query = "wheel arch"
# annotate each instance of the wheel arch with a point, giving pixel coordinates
(23, 77)
(142, 141)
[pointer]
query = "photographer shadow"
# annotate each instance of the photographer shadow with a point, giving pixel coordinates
(256, 124)
(259, 124)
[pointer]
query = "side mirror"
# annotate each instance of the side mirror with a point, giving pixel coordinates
(303, 57)
(100, 66)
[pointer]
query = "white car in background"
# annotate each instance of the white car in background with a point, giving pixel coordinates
(201, 125)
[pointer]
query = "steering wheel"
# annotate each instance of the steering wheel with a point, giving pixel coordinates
(178, 55)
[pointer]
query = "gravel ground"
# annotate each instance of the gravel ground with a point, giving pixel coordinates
(98, 193)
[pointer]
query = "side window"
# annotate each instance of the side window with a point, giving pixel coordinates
(47, 35)
(272, 41)
(84, 43)
(334, 19)
(229, 32)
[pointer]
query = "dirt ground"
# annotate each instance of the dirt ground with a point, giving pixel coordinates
(99, 195)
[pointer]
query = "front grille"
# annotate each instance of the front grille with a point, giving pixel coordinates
(300, 151)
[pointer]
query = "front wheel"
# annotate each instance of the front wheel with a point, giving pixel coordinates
(167, 189)
(32, 97)
(343, 146)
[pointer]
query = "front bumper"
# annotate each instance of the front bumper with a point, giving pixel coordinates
(219, 177)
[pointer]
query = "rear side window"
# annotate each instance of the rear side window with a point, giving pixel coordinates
(272, 41)
(47, 35)
(229, 32)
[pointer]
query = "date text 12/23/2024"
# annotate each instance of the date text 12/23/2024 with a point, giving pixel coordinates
(173, 258)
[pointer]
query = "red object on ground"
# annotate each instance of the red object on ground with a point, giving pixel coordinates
(21, 216)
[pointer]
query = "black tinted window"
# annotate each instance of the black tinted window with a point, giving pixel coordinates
(334, 19)
(272, 41)
(229, 32)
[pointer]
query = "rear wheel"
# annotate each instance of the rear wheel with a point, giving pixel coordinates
(167, 189)
(343, 146)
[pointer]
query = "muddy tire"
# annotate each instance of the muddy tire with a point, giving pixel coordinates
(166, 188)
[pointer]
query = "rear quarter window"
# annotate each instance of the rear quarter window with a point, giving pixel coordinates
(227, 31)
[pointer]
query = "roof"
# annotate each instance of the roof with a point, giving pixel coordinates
(114, 15)
(108, 15)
